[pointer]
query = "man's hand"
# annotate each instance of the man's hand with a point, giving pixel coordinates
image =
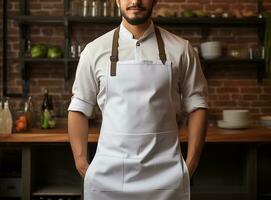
(81, 166)
(191, 168)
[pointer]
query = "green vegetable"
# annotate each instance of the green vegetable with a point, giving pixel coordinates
(188, 13)
(45, 124)
(54, 52)
(38, 51)
(45, 117)
(52, 123)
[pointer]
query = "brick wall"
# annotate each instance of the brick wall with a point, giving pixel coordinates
(229, 87)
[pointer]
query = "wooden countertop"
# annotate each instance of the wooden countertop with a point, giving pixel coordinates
(215, 134)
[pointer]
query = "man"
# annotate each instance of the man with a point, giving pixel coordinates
(139, 74)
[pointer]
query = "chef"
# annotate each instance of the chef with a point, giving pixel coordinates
(141, 77)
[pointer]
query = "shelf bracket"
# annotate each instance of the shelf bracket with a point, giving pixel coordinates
(260, 72)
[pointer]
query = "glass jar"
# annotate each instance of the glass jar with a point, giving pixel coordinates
(20, 121)
(106, 8)
(112, 8)
(85, 7)
(95, 8)
(73, 50)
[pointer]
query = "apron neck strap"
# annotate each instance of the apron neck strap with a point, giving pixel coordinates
(161, 46)
(115, 44)
(114, 54)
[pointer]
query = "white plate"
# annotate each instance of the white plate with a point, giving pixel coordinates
(223, 124)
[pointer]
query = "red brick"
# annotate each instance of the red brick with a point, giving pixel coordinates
(224, 103)
(211, 90)
(250, 97)
(227, 90)
(243, 104)
(261, 103)
(215, 83)
(212, 96)
(224, 97)
(251, 90)
(266, 111)
(235, 97)
(265, 97)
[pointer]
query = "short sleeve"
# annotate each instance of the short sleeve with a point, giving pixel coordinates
(193, 84)
(85, 86)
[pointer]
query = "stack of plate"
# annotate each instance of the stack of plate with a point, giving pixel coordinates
(235, 119)
(210, 50)
(266, 121)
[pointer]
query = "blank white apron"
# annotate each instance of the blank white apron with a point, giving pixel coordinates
(138, 155)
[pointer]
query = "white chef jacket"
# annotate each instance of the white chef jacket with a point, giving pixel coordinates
(189, 86)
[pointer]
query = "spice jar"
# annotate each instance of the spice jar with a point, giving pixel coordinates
(95, 8)
(106, 8)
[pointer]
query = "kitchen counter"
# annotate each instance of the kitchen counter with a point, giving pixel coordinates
(214, 134)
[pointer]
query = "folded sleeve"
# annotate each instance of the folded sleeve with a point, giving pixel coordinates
(193, 85)
(85, 86)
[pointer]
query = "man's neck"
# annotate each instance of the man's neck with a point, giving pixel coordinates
(137, 30)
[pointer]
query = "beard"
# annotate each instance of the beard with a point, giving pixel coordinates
(136, 20)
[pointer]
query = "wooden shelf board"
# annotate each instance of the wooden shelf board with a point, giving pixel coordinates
(63, 190)
(29, 19)
(204, 61)
(96, 20)
(192, 21)
(233, 61)
(29, 60)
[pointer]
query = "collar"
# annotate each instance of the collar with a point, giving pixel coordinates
(124, 32)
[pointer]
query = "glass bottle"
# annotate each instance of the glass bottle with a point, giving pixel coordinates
(28, 109)
(85, 7)
(260, 9)
(106, 8)
(6, 119)
(112, 8)
(94, 8)
(47, 117)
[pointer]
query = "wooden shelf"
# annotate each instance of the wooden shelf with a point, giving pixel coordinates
(42, 20)
(203, 23)
(208, 21)
(34, 60)
(204, 61)
(192, 21)
(41, 59)
(61, 190)
(233, 61)
(96, 20)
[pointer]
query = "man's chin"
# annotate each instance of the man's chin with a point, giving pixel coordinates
(136, 21)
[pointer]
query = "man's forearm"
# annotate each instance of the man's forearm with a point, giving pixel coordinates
(78, 134)
(197, 126)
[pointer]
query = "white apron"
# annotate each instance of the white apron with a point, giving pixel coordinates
(138, 155)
